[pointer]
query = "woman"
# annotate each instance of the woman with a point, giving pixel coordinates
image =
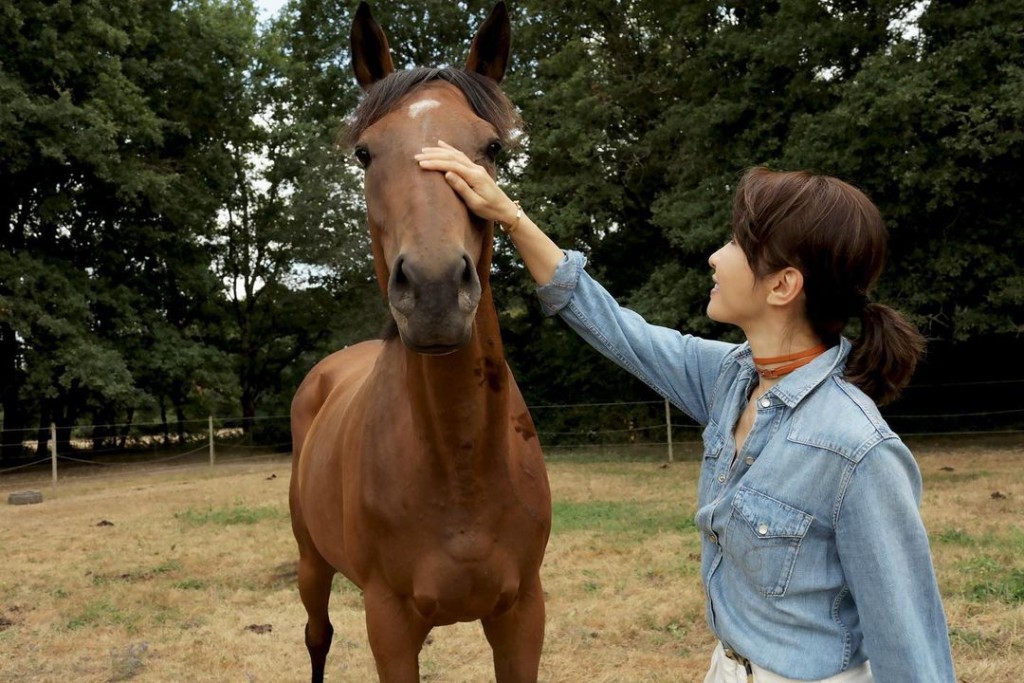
(815, 561)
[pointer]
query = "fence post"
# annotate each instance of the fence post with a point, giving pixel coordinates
(213, 457)
(53, 451)
(668, 428)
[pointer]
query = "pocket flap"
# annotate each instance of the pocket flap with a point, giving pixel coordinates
(770, 518)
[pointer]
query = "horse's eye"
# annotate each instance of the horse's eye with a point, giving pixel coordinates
(363, 156)
(493, 150)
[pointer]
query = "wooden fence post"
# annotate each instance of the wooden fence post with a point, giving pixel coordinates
(53, 451)
(668, 428)
(213, 457)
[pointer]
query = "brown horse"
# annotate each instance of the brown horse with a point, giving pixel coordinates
(416, 470)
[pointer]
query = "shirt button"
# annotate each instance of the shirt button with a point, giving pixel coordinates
(765, 402)
(749, 460)
(713, 538)
(763, 529)
(721, 478)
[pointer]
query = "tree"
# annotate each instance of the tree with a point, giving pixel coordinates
(642, 115)
(112, 169)
(931, 130)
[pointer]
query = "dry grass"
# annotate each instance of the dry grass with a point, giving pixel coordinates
(194, 565)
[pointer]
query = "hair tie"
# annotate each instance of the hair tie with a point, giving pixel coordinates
(862, 301)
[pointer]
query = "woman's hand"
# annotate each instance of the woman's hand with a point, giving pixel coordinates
(485, 199)
(471, 181)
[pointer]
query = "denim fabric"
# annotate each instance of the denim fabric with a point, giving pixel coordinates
(814, 555)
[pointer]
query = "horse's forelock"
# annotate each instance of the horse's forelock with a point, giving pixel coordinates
(484, 95)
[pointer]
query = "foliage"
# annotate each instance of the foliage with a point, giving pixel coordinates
(110, 168)
(181, 233)
(931, 129)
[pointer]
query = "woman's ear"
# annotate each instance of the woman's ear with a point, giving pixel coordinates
(786, 286)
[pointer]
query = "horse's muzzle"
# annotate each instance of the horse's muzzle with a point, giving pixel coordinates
(434, 304)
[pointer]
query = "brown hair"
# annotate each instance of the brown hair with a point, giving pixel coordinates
(834, 235)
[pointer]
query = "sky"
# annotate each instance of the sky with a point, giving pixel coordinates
(269, 8)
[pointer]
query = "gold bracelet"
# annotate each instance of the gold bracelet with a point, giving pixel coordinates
(514, 225)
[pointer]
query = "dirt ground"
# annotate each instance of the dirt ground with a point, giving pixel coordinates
(188, 575)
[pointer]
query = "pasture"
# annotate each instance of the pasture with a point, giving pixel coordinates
(188, 575)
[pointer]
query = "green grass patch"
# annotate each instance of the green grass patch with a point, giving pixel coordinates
(96, 613)
(955, 537)
(971, 638)
(989, 580)
(138, 574)
(228, 516)
(1003, 586)
(616, 517)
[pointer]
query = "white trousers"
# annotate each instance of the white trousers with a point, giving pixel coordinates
(725, 670)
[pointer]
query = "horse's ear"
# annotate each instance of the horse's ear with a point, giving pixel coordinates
(371, 54)
(489, 54)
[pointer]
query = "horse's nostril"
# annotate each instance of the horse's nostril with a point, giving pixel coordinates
(400, 277)
(467, 270)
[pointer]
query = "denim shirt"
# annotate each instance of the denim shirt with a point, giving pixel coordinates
(814, 556)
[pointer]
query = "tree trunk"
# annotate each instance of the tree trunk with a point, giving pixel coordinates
(14, 417)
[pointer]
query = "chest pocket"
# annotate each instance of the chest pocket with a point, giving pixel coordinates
(763, 539)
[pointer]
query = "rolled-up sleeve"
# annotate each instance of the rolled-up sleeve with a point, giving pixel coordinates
(555, 294)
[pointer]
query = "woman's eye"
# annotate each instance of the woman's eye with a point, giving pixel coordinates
(493, 150)
(363, 156)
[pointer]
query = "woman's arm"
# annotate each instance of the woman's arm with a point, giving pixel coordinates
(682, 368)
(883, 549)
(488, 201)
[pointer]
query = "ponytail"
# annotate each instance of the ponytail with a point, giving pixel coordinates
(885, 354)
(834, 235)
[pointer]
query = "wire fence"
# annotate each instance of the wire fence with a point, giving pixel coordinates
(115, 449)
(653, 430)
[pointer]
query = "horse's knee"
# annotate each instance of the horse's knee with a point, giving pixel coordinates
(318, 637)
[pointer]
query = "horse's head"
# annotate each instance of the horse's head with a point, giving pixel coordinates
(431, 255)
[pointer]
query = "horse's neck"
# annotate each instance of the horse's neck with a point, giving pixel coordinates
(461, 399)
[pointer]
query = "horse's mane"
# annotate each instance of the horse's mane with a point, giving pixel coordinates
(484, 95)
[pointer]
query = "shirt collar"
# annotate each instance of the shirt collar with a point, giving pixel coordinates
(792, 388)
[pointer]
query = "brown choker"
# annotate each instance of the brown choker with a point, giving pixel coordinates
(793, 361)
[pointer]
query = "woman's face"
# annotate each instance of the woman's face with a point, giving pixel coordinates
(737, 297)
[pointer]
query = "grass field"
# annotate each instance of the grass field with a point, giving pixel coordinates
(188, 576)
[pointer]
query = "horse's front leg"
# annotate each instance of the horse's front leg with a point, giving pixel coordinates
(396, 632)
(517, 636)
(315, 577)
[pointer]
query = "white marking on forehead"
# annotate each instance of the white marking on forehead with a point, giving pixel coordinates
(420, 106)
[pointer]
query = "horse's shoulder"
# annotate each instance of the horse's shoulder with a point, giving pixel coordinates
(351, 360)
(341, 368)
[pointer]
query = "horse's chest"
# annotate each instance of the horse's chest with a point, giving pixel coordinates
(447, 531)
(462, 544)
(465, 577)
